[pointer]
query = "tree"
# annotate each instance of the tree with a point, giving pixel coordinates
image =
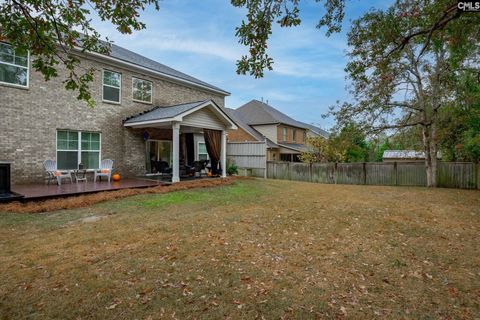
(255, 31)
(347, 145)
(459, 136)
(398, 85)
(321, 149)
(56, 31)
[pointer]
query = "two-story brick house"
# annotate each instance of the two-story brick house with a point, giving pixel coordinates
(145, 112)
(258, 121)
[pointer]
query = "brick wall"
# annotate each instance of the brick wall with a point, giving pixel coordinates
(239, 135)
(30, 117)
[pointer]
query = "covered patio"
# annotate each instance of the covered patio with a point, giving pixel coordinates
(179, 138)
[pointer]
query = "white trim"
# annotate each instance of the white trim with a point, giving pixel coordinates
(158, 73)
(16, 85)
(107, 85)
(198, 150)
(179, 117)
(151, 95)
(79, 149)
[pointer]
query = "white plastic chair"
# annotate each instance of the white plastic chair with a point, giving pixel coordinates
(52, 172)
(105, 170)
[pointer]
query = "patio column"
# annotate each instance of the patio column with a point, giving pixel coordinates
(176, 152)
(223, 154)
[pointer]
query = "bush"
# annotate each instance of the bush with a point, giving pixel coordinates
(232, 169)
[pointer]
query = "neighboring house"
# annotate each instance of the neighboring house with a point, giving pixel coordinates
(145, 112)
(405, 156)
(285, 137)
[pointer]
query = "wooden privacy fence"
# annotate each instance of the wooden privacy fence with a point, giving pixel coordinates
(250, 157)
(464, 175)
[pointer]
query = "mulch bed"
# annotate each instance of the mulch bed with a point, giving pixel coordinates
(89, 199)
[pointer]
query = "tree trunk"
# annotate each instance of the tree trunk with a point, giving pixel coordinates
(428, 157)
(430, 150)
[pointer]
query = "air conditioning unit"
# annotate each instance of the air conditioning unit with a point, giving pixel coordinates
(6, 194)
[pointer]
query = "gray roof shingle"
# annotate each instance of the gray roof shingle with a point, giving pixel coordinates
(123, 54)
(159, 113)
(238, 118)
(256, 113)
(316, 130)
(295, 146)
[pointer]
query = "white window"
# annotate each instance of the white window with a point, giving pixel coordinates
(75, 147)
(112, 83)
(284, 134)
(202, 151)
(13, 66)
(142, 90)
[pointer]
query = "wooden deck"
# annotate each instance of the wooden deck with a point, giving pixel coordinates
(43, 191)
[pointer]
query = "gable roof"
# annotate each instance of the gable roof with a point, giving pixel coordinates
(174, 113)
(240, 121)
(256, 112)
(123, 54)
(316, 130)
(132, 59)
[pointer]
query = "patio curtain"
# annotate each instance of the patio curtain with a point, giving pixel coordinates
(213, 142)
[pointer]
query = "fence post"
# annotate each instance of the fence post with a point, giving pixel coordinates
(395, 172)
(335, 173)
(289, 170)
(478, 175)
(265, 173)
(310, 178)
(364, 173)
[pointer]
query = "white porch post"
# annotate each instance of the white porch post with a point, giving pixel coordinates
(176, 151)
(223, 154)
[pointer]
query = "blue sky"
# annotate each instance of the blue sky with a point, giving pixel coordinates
(198, 38)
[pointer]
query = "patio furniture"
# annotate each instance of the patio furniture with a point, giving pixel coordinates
(200, 166)
(80, 175)
(105, 170)
(164, 168)
(53, 173)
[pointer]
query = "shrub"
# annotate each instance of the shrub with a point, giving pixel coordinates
(232, 169)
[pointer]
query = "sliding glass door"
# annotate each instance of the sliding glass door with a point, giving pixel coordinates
(158, 151)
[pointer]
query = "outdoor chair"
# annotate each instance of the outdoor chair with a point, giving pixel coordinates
(105, 170)
(54, 174)
(200, 166)
(164, 168)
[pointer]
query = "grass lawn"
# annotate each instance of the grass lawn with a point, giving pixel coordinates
(254, 249)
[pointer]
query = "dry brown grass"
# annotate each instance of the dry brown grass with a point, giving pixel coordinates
(91, 199)
(254, 249)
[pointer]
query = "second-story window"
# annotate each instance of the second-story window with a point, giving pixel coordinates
(112, 82)
(294, 135)
(142, 90)
(13, 66)
(284, 134)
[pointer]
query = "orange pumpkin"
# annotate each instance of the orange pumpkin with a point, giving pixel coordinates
(116, 177)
